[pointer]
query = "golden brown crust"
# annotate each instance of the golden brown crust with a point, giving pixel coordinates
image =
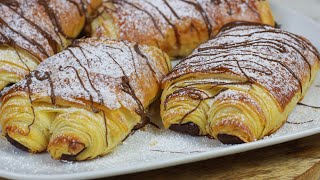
(90, 97)
(244, 82)
(176, 26)
(33, 30)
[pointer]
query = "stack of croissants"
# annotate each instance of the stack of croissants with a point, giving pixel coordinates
(78, 76)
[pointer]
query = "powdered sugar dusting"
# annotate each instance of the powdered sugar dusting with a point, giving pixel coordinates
(28, 25)
(259, 54)
(138, 19)
(93, 68)
(36, 30)
(150, 145)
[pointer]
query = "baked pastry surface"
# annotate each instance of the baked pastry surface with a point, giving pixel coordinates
(33, 30)
(175, 26)
(241, 85)
(81, 103)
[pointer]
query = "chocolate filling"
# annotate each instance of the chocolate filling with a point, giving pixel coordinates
(188, 128)
(10, 84)
(71, 157)
(277, 25)
(229, 139)
(68, 157)
(16, 144)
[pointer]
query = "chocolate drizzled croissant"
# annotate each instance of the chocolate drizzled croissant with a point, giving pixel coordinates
(82, 102)
(175, 26)
(241, 85)
(33, 30)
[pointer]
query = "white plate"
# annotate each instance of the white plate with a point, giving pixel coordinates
(153, 148)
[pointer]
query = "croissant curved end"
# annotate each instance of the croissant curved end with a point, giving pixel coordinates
(236, 116)
(77, 134)
(183, 113)
(22, 126)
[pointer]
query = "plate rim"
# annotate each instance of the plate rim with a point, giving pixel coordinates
(169, 162)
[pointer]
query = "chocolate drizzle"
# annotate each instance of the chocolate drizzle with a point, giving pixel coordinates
(176, 152)
(310, 106)
(31, 41)
(46, 76)
(140, 9)
(203, 13)
(166, 15)
(198, 97)
(175, 29)
(28, 83)
(257, 54)
(253, 9)
(237, 56)
(70, 70)
(20, 58)
(54, 20)
(171, 9)
(138, 51)
(298, 123)
(13, 33)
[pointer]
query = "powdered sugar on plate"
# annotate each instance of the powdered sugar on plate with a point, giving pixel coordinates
(151, 145)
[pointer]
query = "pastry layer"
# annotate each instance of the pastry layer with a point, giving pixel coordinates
(33, 30)
(243, 83)
(175, 26)
(81, 103)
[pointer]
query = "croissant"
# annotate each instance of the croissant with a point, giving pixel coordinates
(241, 85)
(82, 102)
(175, 26)
(33, 30)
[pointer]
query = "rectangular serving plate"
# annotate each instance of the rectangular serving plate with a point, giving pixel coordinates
(152, 148)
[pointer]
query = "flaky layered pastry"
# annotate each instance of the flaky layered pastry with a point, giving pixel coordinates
(175, 26)
(241, 85)
(33, 30)
(82, 102)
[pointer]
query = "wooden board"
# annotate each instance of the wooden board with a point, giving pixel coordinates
(299, 159)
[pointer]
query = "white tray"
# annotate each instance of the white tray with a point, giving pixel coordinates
(153, 148)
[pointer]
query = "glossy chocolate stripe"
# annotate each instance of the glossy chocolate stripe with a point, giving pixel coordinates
(31, 41)
(203, 13)
(14, 6)
(221, 57)
(200, 101)
(138, 51)
(52, 42)
(28, 83)
(171, 9)
(140, 9)
(175, 29)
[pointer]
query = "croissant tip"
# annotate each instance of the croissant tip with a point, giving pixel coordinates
(229, 139)
(188, 128)
(17, 144)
